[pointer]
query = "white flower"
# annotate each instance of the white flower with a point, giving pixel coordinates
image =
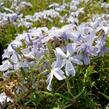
(63, 59)
(5, 65)
(58, 73)
(4, 99)
(67, 59)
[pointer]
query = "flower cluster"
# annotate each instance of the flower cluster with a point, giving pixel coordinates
(14, 15)
(86, 41)
(81, 42)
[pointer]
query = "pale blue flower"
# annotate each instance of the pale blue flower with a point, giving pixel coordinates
(58, 73)
(67, 59)
(62, 60)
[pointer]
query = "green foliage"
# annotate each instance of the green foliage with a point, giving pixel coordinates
(7, 33)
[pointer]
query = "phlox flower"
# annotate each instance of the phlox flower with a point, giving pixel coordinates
(63, 60)
(58, 73)
(68, 58)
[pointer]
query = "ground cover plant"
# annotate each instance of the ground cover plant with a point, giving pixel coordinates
(54, 54)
